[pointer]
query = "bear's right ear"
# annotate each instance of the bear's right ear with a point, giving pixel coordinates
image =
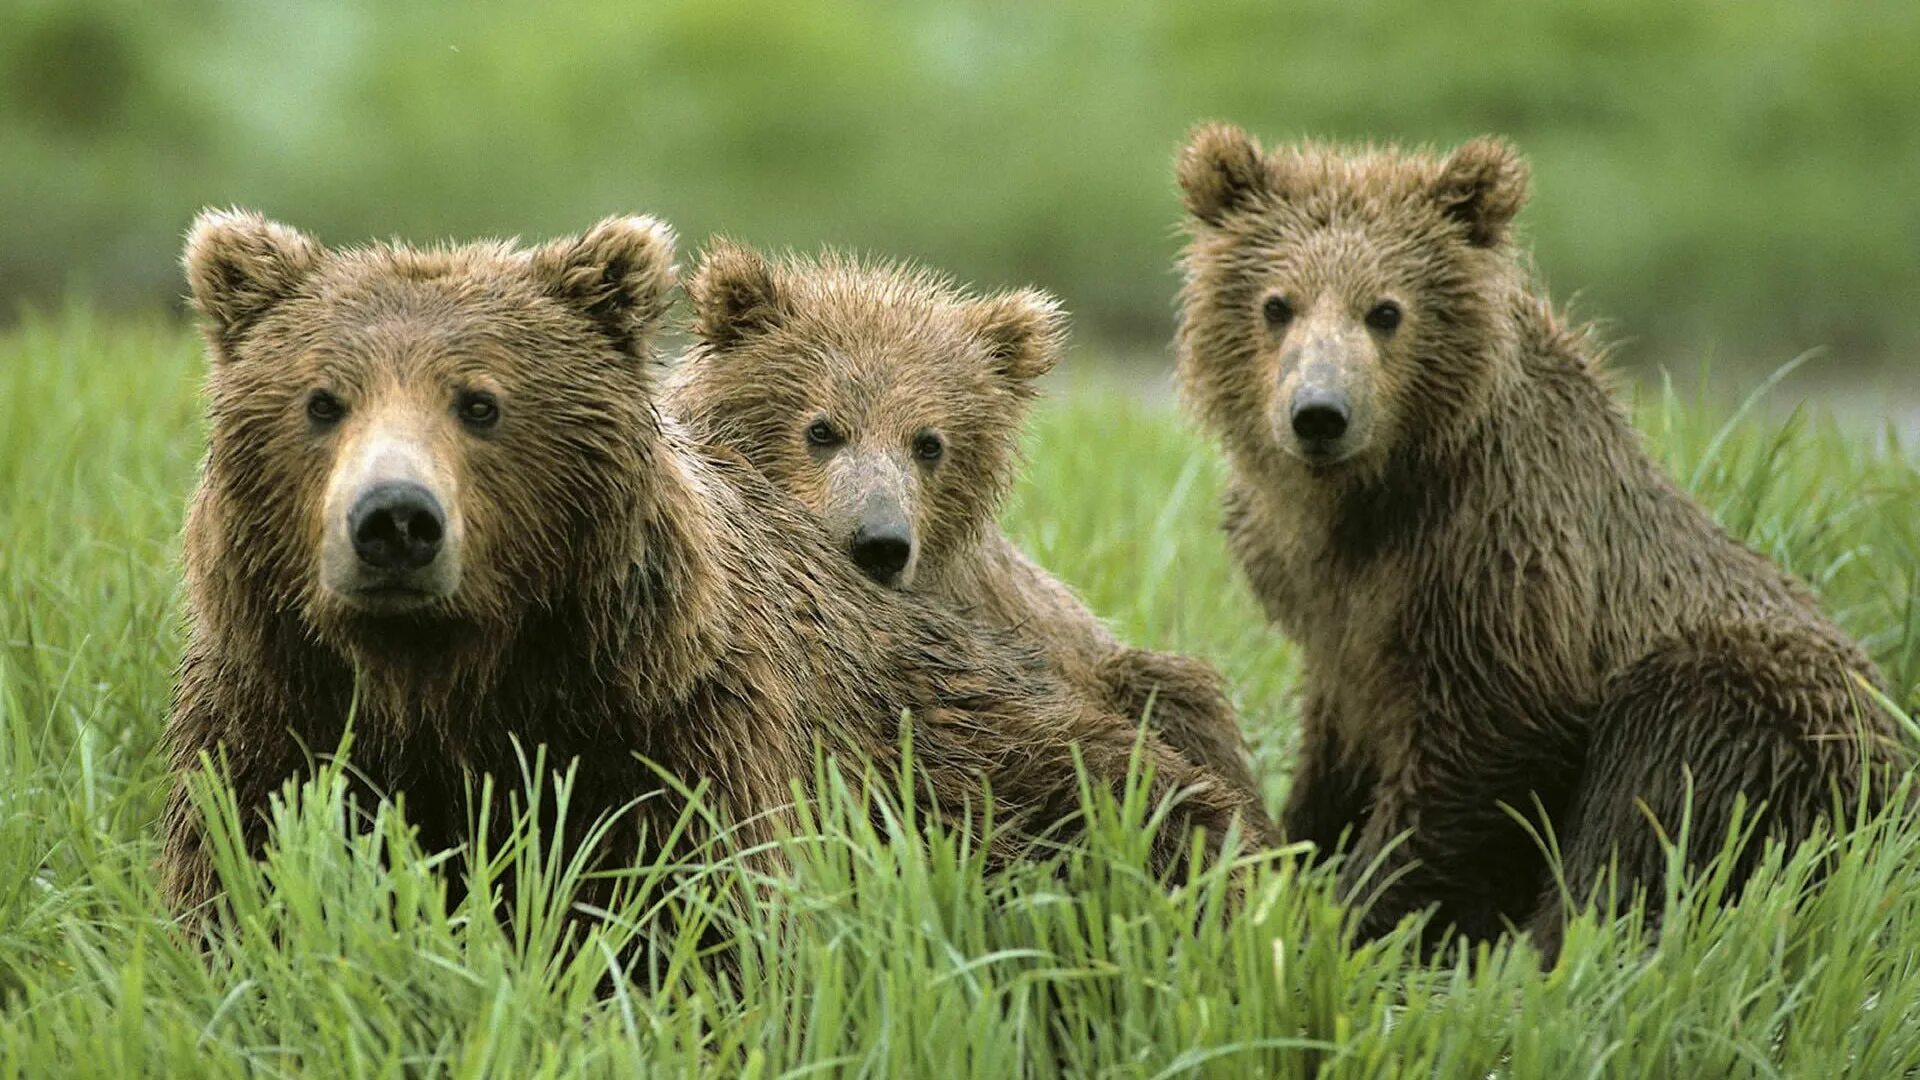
(618, 273)
(1221, 169)
(734, 294)
(239, 265)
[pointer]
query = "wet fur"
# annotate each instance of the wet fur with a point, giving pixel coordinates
(629, 592)
(781, 342)
(1504, 600)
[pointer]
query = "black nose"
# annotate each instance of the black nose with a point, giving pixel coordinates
(1319, 414)
(882, 551)
(396, 527)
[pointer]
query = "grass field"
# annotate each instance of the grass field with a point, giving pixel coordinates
(874, 957)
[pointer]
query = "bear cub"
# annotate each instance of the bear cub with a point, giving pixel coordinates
(1500, 599)
(891, 403)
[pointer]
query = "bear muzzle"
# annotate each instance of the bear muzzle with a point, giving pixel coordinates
(1323, 414)
(392, 542)
(397, 528)
(883, 549)
(869, 509)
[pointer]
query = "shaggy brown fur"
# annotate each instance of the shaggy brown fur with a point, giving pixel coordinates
(616, 591)
(890, 403)
(1498, 596)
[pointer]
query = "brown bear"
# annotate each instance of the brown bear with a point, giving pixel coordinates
(1501, 602)
(891, 403)
(439, 492)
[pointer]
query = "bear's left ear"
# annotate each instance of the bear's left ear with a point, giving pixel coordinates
(1482, 186)
(1025, 331)
(619, 274)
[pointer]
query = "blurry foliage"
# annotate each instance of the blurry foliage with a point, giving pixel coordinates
(1743, 174)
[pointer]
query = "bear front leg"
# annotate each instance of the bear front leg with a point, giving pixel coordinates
(1331, 788)
(1200, 797)
(1442, 834)
(254, 745)
(1400, 865)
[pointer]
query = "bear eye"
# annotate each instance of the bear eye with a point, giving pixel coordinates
(928, 446)
(1277, 311)
(822, 433)
(478, 409)
(1384, 316)
(324, 409)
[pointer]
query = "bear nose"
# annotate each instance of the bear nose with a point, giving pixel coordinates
(881, 551)
(396, 526)
(1319, 414)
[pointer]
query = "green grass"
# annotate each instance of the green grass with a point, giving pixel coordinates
(874, 956)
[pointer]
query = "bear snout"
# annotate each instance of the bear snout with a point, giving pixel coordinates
(397, 527)
(1320, 415)
(393, 529)
(869, 508)
(882, 549)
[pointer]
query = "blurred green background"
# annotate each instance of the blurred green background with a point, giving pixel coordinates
(1735, 180)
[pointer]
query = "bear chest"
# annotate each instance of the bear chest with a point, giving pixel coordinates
(1359, 672)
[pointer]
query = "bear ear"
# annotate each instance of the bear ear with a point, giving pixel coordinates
(239, 265)
(619, 273)
(1221, 169)
(1482, 186)
(735, 294)
(1025, 332)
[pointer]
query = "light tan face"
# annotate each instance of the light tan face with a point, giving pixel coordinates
(868, 472)
(1331, 356)
(1329, 368)
(392, 527)
(1314, 356)
(1341, 307)
(403, 439)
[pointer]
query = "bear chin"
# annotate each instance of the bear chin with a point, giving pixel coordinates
(399, 619)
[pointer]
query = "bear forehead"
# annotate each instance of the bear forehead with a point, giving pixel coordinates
(879, 388)
(869, 347)
(1382, 196)
(1359, 252)
(865, 320)
(391, 278)
(1388, 174)
(423, 304)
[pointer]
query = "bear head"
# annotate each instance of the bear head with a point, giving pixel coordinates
(884, 398)
(1342, 305)
(409, 447)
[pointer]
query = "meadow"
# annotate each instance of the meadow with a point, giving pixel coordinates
(876, 956)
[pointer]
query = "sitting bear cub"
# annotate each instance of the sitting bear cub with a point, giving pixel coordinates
(1501, 602)
(891, 404)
